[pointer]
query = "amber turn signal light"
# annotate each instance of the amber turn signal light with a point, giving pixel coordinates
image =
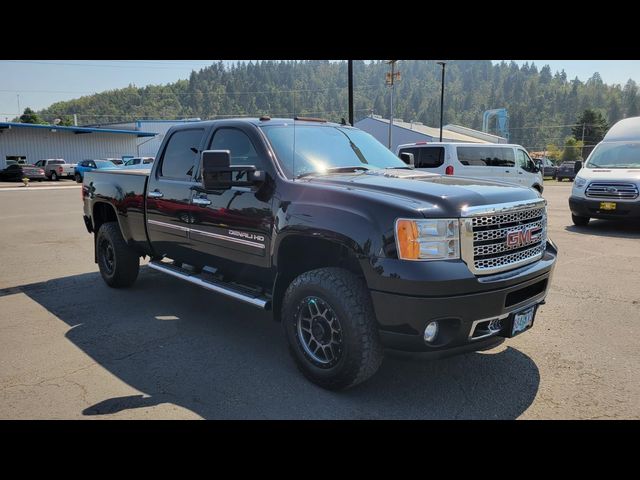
(407, 235)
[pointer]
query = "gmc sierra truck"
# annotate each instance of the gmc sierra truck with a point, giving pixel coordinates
(351, 249)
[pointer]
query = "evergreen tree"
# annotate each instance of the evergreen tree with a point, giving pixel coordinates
(29, 116)
(593, 126)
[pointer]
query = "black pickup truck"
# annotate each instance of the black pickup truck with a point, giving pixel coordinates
(348, 246)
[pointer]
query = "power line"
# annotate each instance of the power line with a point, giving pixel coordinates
(194, 93)
(173, 117)
(104, 65)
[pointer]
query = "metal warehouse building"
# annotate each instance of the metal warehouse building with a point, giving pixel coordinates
(410, 132)
(147, 147)
(30, 142)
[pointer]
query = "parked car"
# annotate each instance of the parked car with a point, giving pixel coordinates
(56, 168)
(138, 162)
(88, 165)
(493, 161)
(547, 167)
(17, 172)
(566, 170)
(351, 249)
(116, 161)
(608, 186)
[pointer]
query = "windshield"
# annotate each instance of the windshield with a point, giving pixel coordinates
(615, 155)
(320, 148)
(104, 164)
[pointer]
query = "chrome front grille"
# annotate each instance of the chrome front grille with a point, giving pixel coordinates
(615, 190)
(496, 238)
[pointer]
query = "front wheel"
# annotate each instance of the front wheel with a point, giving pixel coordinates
(118, 262)
(328, 320)
(580, 221)
(78, 178)
(54, 176)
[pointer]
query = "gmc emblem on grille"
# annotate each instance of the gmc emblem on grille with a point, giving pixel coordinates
(522, 236)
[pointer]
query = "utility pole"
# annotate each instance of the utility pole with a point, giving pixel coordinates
(442, 64)
(75, 120)
(350, 74)
(391, 78)
(582, 148)
(19, 111)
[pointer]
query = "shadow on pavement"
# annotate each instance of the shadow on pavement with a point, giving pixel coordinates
(179, 344)
(609, 228)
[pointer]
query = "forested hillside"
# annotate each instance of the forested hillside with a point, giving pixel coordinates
(542, 104)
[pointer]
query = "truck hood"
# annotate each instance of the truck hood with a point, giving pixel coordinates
(431, 194)
(610, 174)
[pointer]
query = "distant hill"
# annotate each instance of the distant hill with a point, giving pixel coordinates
(538, 100)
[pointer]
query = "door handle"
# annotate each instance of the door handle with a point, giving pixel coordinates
(507, 171)
(201, 201)
(520, 173)
(155, 194)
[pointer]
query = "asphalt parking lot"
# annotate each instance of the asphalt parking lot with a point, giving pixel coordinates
(70, 347)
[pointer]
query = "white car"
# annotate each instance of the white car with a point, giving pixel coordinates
(488, 161)
(608, 184)
(138, 163)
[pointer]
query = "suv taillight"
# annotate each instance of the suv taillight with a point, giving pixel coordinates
(449, 170)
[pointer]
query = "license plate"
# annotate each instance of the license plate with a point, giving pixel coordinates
(607, 205)
(522, 321)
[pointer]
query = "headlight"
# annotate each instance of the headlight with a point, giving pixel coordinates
(579, 182)
(428, 239)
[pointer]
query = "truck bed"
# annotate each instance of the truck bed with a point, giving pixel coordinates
(125, 190)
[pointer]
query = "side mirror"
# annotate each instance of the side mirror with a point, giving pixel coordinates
(577, 166)
(408, 158)
(536, 167)
(219, 174)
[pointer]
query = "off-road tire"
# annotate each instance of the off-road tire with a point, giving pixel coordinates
(347, 295)
(119, 267)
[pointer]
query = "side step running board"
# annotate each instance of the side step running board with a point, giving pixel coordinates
(219, 287)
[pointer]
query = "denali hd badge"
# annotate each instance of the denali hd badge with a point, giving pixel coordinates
(522, 236)
(248, 236)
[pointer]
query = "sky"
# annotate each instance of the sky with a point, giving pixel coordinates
(39, 83)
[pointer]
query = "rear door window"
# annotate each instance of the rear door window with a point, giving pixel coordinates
(180, 154)
(486, 156)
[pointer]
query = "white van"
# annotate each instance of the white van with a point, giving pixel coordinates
(490, 161)
(608, 185)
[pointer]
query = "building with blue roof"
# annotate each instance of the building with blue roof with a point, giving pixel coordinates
(30, 142)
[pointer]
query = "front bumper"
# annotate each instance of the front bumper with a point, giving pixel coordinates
(402, 318)
(584, 207)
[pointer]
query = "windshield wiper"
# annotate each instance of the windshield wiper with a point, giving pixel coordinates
(354, 168)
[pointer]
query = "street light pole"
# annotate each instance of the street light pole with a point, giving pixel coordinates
(391, 77)
(442, 98)
(350, 88)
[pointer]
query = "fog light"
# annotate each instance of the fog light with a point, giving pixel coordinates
(430, 332)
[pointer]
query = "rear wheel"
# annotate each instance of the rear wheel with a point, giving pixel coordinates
(118, 262)
(78, 178)
(580, 221)
(330, 326)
